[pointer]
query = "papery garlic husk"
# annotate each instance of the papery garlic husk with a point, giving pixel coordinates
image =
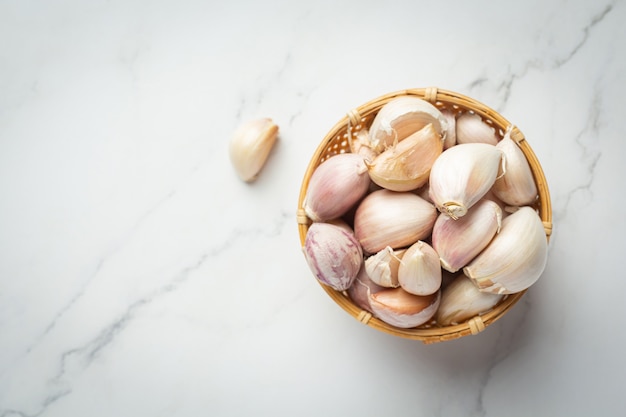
(406, 165)
(420, 272)
(462, 175)
(515, 258)
(401, 117)
(382, 267)
(389, 218)
(462, 300)
(470, 128)
(515, 185)
(335, 186)
(399, 308)
(250, 147)
(360, 144)
(361, 290)
(459, 241)
(450, 136)
(333, 255)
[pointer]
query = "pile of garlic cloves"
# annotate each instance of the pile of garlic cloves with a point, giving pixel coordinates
(429, 220)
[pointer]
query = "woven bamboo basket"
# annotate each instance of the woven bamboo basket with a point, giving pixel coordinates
(337, 141)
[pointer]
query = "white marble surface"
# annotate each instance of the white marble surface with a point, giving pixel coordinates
(140, 277)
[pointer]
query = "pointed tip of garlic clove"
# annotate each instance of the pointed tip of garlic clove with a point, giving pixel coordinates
(250, 147)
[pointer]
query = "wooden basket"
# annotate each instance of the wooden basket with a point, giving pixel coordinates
(337, 141)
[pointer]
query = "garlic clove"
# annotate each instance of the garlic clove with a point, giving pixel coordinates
(250, 147)
(406, 165)
(401, 117)
(459, 241)
(335, 186)
(515, 258)
(398, 308)
(515, 184)
(419, 272)
(333, 255)
(450, 135)
(382, 267)
(396, 219)
(470, 128)
(462, 300)
(361, 290)
(462, 175)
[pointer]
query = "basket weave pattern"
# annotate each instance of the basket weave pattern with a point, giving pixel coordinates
(338, 141)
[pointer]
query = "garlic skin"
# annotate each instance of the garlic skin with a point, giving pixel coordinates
(333, 255)
(360, 144)
(389, 218)
(459, 241)
(516, 184)
(382, 267)
(462, 175)
(250, 147)
(335, 186)
(515, 258)
(361, 290)
(462, 300)
(420, 272)
(406, 165)
(450, 136)
(398, 308)
(401, 117)
(470, 128)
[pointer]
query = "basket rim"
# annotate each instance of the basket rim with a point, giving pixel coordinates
(465, 103)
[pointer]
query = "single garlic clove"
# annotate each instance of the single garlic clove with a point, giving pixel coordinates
(462, 175)
(406, 165)
(333, 255)
(450, 135)
(399, 308)
(470, 128)
(382, 267)
(388, 218)
(401, 117)
(462, 300)
(361, 290)
(420, 272)
(459, 241)
(515, 258)
(250, 147)
(335, 186)
(515, 184)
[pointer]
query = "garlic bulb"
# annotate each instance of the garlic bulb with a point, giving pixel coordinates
(515, 258)
(335, 186)
(405, 166)
(470, 128)
(333, 255)
(361, 290)
(401, 117)
(382, 268)
(420, 272)
(388, 218)
(462, 300)
(399, 308)
(458, 241)
(250, 147)
(450, 135)
(516, 185)
(462, 175)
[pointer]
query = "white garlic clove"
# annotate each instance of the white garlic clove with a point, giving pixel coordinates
(450, 135)
(398, 308)
(335, 186)
(333, 255)
(462, 300)
(515, 258)
(401, 117)
(515, 185)
(459, 241)
(250, 147)
(396, 219)
(470, 128)
(405, 166)
(361, 290)
(382, 267)
(420, 272)
(462, 175)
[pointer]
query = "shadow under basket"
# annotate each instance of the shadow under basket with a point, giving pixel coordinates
(337, 141)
